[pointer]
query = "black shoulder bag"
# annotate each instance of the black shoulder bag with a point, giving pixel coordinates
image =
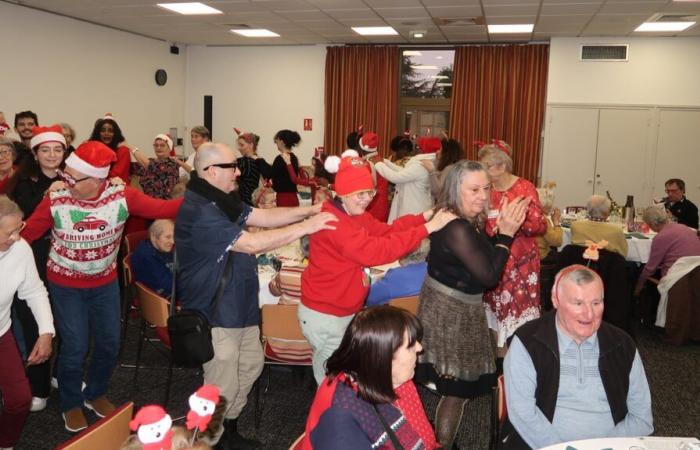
(189, 329)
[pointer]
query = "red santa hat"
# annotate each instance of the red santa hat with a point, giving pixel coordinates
(153, 425)
(92, 158)
(208, 392)
(352, 173)
(109, 116)
(3, 127)
(168, 140)
(369, 142)
(429, 144)
(54, 133)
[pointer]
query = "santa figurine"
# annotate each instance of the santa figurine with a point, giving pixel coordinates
(153, 425)
(202, 405)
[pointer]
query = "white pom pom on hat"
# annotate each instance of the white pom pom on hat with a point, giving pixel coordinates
(332, 164)
(350, 153)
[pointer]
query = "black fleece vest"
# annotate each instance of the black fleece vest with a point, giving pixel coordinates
(617, 351)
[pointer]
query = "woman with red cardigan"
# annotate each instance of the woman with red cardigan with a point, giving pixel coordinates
(335, 283)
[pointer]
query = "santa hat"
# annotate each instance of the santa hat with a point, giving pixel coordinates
(148, 415)
(168, 140)
(208, 392)
(369, 142)
(352, 173)
(92, 158)
(54, 133)
(429, 144)
(109, 116)
(3, 127)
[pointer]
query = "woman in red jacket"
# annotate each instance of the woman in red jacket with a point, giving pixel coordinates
(335, 283)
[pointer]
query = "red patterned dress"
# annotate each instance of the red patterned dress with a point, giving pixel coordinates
(516, 298)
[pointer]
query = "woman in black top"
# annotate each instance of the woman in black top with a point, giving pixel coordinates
(282, 183)
(463, 261)
(252, 167)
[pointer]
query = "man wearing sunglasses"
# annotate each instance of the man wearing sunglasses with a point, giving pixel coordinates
(211, 228)
(86, 220)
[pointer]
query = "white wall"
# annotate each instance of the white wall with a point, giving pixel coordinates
(660, 71)
(259, 89)
(71, 71)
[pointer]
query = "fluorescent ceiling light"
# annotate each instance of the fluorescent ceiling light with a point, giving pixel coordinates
(258, 32)
(412, 53)
(190, 8)
(375, 31)
(518, 28)
(438, 57)
(439, 77)
(664, 26)
(425, 67)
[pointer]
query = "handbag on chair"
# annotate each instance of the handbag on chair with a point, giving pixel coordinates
(189, 329)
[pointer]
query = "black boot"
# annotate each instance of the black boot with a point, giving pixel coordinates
(231, 440)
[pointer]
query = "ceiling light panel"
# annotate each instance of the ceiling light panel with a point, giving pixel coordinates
(195, 8)
(253, 33)
(654, 27)
(511, 29)
(375, 31)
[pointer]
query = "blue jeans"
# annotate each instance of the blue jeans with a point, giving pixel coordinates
(81, 314)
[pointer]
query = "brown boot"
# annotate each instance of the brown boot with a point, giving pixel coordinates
(101, 406)
(75, 420)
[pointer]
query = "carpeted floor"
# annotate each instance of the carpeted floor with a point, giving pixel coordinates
(673, 373)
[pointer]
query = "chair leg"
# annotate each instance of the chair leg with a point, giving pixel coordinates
(267, 383)
(168, 383)
(139, 348)
(125, 318)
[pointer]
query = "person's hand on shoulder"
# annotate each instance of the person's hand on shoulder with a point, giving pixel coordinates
(56, 186)
(116, 181)
(556, 216)
(320, 221)
(287, 158)
(439, 220)
(428, 165)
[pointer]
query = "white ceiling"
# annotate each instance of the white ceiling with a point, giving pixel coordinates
(329, 21)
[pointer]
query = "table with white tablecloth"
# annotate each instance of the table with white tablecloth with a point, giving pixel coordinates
(630, 443)
(638, 249)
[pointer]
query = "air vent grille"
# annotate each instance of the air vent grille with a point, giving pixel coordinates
(604, 52)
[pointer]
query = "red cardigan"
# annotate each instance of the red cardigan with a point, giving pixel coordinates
(334, 282)
(138, 204)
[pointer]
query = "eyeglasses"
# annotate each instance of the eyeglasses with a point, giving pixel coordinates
(669, 191)
(6, 153)
(366, 194)
(231, 165)
(70, 181)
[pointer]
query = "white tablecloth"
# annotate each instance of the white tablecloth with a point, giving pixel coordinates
(637, 249)
(641, 443)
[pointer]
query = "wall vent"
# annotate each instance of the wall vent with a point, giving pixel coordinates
(604, 52)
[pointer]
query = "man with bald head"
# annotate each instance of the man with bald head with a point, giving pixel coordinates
(210, 231)
(571, 376)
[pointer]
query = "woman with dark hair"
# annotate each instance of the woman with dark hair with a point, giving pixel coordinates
(463, 262)
(402, 148)
(451, 152)
(107, 131)
(368, 399)
(282, 183)
(252, 167)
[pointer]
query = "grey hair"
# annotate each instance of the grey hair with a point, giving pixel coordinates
(598, 207)
(496, 155)
(157, 227)
(450, 196)
(546, 198)
(7, 142)
(8, 207)
(418, 255)
(209, 153)
(579, 276)
(71, 131)
(202, 131)
(655, 216)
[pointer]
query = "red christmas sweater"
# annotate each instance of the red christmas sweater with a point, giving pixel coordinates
(379, 207)
(334, 282)
(91, 238)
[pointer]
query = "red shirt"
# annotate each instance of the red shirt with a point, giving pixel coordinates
(138, 204)
(334, 282)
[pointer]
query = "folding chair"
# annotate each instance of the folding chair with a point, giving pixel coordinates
(108, 433)
(283, 344)
(154, 312)
(127, 296)
(131, 240)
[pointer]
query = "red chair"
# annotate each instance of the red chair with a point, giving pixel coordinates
(131, 240)
(108, 433)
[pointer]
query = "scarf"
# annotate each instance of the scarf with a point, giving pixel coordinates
(229, 203)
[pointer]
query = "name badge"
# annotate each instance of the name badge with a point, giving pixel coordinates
(493, 213)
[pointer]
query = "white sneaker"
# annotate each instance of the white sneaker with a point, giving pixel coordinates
(54, 384)
(38, 404)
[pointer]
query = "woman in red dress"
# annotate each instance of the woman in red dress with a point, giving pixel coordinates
(516, 298)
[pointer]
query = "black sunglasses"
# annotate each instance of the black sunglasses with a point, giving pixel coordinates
(231, 165)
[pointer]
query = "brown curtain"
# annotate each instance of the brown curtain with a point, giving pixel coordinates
(499, 92)
(361, 89)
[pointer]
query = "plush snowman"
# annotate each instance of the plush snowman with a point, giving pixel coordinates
(202, 405)
(153, 425)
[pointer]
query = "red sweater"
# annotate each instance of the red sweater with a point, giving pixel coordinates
(138, 204)
(379, 207)
(121, 168)
(334, 281)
